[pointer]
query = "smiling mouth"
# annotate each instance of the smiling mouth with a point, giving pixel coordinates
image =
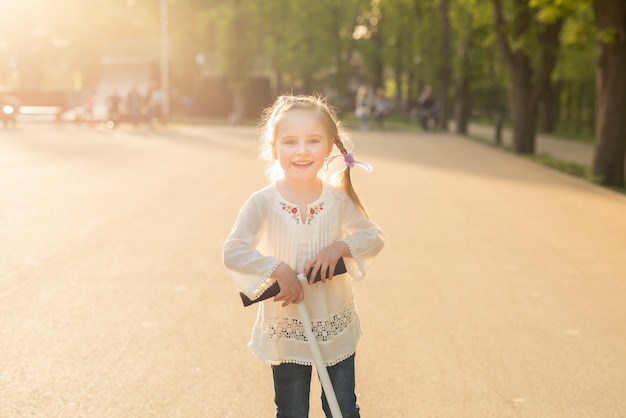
(302, 163)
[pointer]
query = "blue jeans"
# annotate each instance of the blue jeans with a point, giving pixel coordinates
(292, 387)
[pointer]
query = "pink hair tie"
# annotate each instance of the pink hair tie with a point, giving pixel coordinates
(349, 160)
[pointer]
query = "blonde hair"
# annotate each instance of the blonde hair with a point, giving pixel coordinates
(328, 117)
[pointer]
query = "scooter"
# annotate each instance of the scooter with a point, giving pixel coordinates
(320, 365)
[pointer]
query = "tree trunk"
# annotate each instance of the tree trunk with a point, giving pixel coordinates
(398, 99)
(610, 141)
(527, 88)
(462, 106)
(523, 106)
(378, 64)
(549, 108)
(462, 89)
(444, 105)
(411, 98)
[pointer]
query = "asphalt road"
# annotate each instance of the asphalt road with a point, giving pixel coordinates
(500, 292)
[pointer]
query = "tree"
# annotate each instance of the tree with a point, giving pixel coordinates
(462, 103)
(376, 40)
(424, 49)
(237, 52)
(570, 104)
(344, 15)
(473, 26)
(610, 141)
(445, 66)
(399, 46)
(529, 41)
(310, 54)
(479, 70)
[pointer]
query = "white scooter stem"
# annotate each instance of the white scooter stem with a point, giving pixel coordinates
(320, 365)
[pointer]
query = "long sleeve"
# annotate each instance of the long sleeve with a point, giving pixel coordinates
(250, 269)
(268, 231)
(363, 237)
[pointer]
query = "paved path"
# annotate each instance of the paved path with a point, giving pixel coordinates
(500, 292)
(563, 149)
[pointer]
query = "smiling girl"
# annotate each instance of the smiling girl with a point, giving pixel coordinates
(303, 222)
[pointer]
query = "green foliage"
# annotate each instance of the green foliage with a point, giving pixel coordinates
(472, 21)
(312, 46)
(579, 28)
(236, 45)
(578, 47)
(608, 35)
(549, 11)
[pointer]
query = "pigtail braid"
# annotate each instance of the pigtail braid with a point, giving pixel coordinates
(270, 119)
(346, 181)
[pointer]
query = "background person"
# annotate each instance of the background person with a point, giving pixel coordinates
(427, 107)
(363, 107)
(381, 107)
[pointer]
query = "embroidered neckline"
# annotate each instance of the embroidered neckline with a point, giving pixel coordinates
(294, 211)
(313, 209)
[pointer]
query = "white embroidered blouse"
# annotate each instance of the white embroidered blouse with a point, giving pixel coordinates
(270, 230)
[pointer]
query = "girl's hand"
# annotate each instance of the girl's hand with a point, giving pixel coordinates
(290, 287)
(326, 260)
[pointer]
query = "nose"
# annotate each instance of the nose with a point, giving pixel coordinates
(302, 148)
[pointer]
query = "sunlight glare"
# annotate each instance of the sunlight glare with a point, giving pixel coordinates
(360, 31)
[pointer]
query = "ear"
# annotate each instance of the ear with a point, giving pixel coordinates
(331, 144)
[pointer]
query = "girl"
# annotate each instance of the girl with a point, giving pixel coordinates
(299, 223)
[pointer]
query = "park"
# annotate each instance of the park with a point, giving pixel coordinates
(500, 289)
(499, 292)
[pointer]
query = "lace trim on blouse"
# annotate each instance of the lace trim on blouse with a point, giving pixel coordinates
(358, 265)
(267, 282)
(292, 328)
(310, 363)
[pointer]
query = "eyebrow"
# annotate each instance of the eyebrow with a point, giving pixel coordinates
(289, 136)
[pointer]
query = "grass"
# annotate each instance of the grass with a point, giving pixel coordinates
(573, 169)
(582, 134)
(572, 133)
(577, 170)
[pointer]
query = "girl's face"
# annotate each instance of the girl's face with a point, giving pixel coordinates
(301, 144)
